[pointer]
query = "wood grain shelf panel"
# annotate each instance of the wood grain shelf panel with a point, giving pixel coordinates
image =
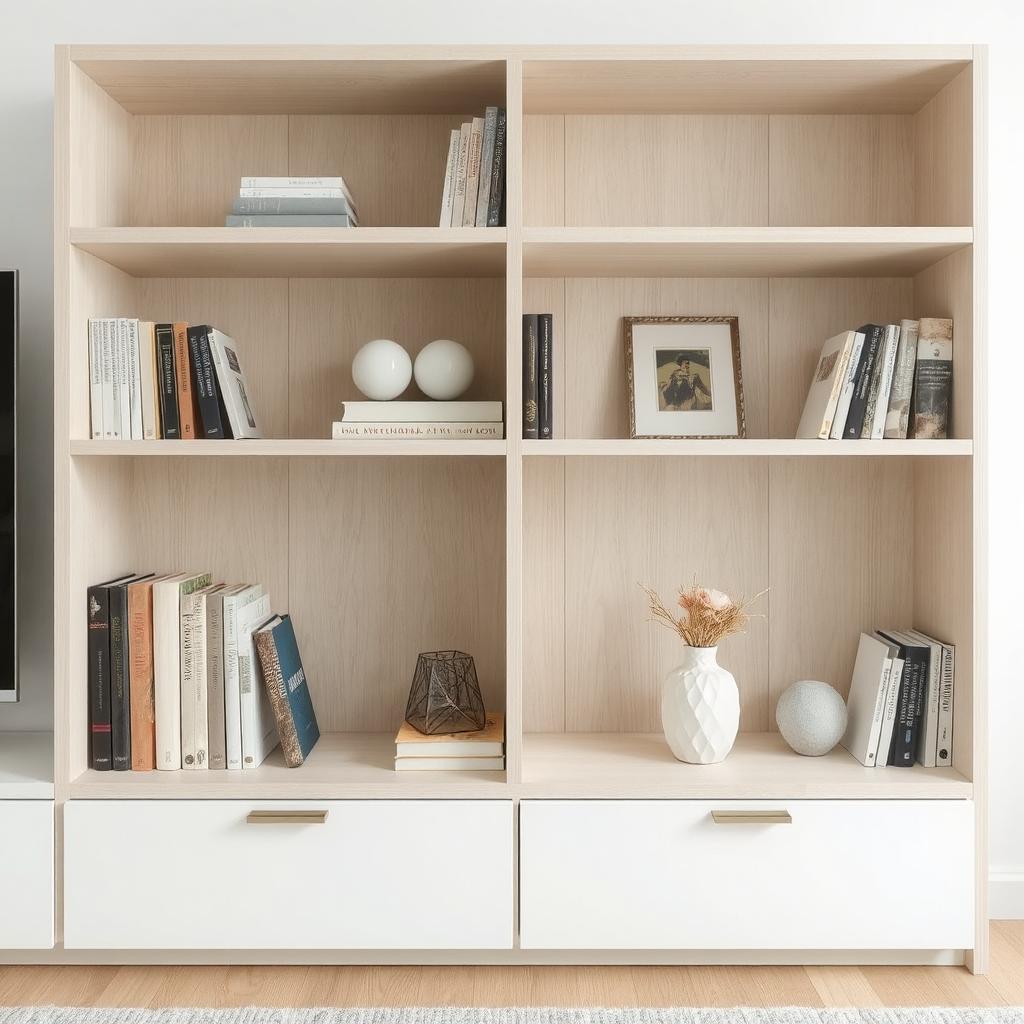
(760, 767)
(738, 252)
(762, 446)
(285, 447)
(297, 252)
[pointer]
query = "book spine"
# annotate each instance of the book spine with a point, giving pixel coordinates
(933, 379)
(459, 200)
(891, 712)
(849, 383)
(134, 377)
(545, 384)
(905, 735)
(117, 420)
(888, 364)
(289, 220)
(140, 652)
(273, 206)
(95, 379)
(930, 726)
(496, 199)
(531, 329)
(167, 386)
(862, 386)
(920, 703)
(150, 397)
(898, 415)
(215, 682)
(875, 386)
(204, 383)
(120, 681)
(98, 618)
(476, 135)
(483, 196)
(341, 431)
(232, 708)
(193, 682)
(278, 192)
(450, 168)
(870, 754)
(944, 739)
(125, 372)
(270, 662)
(838, 379)
(107, 357)
(183, 383)
(291, 181)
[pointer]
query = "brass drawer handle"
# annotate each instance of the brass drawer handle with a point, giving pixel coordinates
(286, 817)
(752, 817)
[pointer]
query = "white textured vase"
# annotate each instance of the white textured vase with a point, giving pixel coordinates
(700, 708)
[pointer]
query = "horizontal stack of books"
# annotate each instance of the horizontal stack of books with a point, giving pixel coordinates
(890, 382)
(474, 177)
(293, 203)
(173, 381)
(187, 674)
(409, 421)
(538, 361)
(901, 700)
(481, 751)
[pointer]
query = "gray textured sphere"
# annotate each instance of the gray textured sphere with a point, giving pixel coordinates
(811, 717)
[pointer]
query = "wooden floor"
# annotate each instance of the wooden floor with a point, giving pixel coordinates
(527, 986)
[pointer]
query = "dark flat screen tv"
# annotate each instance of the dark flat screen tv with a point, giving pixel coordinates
(8, 485)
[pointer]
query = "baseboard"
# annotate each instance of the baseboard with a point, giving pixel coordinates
(1006, 895)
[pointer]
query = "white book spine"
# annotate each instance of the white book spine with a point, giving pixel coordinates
(293, 181)
(134, 377)
(257, 718)
(483, 194)
(95, 379)
(190, 606)
(928, 742)
(297, 193)
(846, 394)
(891, 713)
(167, 674)
(897, 419)
(944, 739)
(124, 345)
(232, 703)
(476, 138)
(879, 714)
(342, 431)
(107, 355)
(837, 387)
(116, 396)
(459, 201)
(450, 167)
(147, 371)
(892, 341)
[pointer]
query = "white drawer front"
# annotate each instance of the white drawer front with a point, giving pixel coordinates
(662, 874)
(389, 874)
(26, 874)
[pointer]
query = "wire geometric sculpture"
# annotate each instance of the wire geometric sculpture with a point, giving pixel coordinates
(445, 695)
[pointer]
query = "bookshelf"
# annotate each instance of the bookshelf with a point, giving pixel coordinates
(803, 189)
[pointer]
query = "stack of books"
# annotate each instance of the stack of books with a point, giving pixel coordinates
(901, 701)
(173, 381)
(538, 360)
(482, 751)
(409, 421)
(293, 203)
(188, 674)
(474, 177)
(883, 382)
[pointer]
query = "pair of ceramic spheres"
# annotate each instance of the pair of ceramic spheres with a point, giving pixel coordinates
(382, 369)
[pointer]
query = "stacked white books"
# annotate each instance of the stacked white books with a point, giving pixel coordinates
(483, 750)
(407, 421)
(303, 202)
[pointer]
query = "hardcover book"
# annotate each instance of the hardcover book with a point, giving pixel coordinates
(862, 386)
(476, 135)
(891, 708)
(234, 600)
(204, 383)
(496, 200)
(124, 377)
(148, 370)
(95, 379)
(450, 170)
(259, 730)
(194, 702)
(286, 684)
(488, 742)
(531, 331)
(167, 382)
(111, 418)
(215, 728)
(140, 672)
(826, 386)
(906, 736)
(483, 198)
(98, 619)
(131, 340)
(933, 378)
(422, 412)
(897, 419)
(233, 388)
(928, 748)
(878, 403)
(865, 704)
(341, 431)
(118, 390)
(459, 198)
(120, 675)
(846, 391)
(273, 206)
(289, 220)
(183, 383)
(545, 376)
(297, 182)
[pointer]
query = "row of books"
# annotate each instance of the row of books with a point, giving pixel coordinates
(407, 421)
(481, 751)
(901, 700)
(188, 674)
(474, 176)
(174, 381)
(893, 382)
(303, 202)
(538, 362)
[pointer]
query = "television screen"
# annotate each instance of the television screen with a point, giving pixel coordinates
(8, 377)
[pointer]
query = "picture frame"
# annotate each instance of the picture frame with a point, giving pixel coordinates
(684, 378)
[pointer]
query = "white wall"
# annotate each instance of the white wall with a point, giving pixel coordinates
(30, 28)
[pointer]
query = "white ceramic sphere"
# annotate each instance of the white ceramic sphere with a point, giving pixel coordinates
(811, 716)
(382, 369)
(443, 369)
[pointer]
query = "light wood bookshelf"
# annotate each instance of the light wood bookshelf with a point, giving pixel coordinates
(802, 189)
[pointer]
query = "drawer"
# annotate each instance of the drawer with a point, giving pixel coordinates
(195, 874)
(26, 874)
(663, 874)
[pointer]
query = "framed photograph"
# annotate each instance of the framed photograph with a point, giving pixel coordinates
(683, 376)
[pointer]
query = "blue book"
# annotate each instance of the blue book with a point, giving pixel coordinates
(287, 689)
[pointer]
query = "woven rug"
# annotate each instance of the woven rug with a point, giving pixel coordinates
(540, 1015)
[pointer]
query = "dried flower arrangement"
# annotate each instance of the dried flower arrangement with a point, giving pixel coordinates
(706, 616)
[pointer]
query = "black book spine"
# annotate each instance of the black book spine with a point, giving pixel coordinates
(167, 385)
(923, 658)
(120, 710)
(496, 203)
(98, 609)
(904, 735)
(204, 380)
(530, 332)
(545, 418)
(873, 335)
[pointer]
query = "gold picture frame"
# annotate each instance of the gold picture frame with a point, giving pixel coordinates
(684, 384)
